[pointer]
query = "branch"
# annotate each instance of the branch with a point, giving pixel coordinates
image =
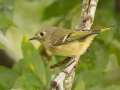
(87, 14)
(86, 21)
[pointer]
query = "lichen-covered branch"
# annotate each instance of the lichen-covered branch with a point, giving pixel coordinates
(87, 14)
(86, 21)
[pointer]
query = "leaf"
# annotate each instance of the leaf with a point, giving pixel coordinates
(80, 84)
(6, 13)
(112, 63)
(11, 42)
(28, 81)
(31, 67)
(7, 78)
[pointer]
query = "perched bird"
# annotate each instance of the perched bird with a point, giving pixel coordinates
(58, 41)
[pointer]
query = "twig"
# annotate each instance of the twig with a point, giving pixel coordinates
(59, 79)
(87, 14)
(86, 21)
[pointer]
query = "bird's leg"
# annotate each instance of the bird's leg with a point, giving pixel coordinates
(68, 61)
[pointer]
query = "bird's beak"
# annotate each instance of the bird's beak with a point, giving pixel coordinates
(33, 38)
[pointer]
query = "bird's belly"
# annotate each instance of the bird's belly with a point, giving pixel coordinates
(71, 49)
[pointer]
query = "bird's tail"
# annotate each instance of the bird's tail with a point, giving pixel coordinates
(106, 29)
(97, 31)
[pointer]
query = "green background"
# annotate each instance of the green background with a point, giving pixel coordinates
(99, 67)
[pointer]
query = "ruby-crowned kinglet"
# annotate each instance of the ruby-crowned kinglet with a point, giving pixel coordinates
(58, 41)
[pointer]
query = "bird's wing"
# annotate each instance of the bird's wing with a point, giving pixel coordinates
(74, 36)
(61, 40)
(78, 36)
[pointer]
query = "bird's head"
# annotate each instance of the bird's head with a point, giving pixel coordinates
(43, 34)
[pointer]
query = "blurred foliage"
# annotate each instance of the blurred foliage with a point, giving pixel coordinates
(99, 67)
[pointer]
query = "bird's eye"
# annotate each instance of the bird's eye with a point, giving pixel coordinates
(42, 34)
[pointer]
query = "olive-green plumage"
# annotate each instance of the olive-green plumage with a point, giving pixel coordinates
(59, 41)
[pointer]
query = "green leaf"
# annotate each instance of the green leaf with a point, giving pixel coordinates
(6, 14)
(32, 64)
(28, 81)
(7, 78)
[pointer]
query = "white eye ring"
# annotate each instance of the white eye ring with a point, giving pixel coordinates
(42, 34)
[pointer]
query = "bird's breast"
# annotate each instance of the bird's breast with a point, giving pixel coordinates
(72, 48)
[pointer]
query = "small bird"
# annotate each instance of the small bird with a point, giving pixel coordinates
(58, 41)
(65, 42)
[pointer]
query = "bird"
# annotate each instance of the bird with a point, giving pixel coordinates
(65, 42)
